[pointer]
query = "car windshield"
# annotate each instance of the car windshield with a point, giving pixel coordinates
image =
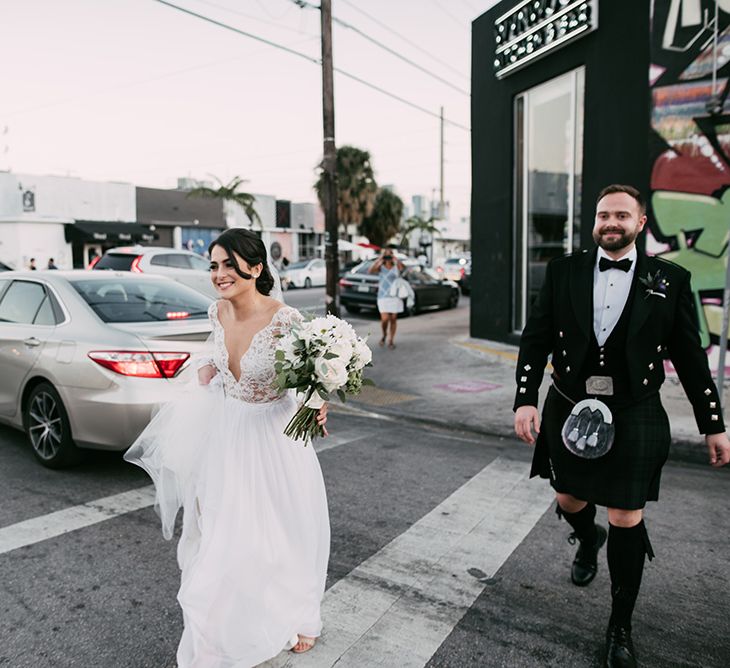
(455, 260)
(115, 261)
(141, 300)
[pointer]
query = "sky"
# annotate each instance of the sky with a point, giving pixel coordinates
(136, 91)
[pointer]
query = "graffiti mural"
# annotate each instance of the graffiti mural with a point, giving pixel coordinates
(689, 205)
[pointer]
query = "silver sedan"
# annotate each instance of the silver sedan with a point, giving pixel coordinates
(86, 356)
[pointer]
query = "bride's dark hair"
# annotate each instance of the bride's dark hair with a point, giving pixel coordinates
(246, 244)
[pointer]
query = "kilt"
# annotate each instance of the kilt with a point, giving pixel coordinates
(627, 476)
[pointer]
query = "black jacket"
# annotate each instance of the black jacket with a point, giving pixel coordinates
(561, 324)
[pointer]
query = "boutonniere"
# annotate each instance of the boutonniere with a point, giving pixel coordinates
(656, 285)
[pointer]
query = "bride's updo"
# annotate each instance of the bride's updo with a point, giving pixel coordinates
(246, 244)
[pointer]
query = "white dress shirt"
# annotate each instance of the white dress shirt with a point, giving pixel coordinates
(610, 293)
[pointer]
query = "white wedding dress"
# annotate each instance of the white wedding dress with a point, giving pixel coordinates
(255, 539)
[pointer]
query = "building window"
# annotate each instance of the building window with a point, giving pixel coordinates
(547, 184)
(308, 245)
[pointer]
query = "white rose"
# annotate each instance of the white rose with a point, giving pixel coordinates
(363, 354)
(342, 348)
(331, 373)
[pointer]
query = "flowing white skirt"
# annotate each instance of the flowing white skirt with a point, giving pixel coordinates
(255, 541)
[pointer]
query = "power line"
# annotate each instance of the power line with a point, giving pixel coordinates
(307, 5)
(311, 59)
(277, 24)
(405, 39)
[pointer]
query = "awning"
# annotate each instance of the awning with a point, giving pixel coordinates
(115, 232)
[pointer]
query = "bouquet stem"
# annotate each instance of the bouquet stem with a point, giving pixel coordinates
(304, 426)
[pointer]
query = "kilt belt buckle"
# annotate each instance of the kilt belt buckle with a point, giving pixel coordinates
(602, 385)
(588, 431)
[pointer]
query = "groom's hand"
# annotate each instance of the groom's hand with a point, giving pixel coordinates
(718, 446)
(525, 418)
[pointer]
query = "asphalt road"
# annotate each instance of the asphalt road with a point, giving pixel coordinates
(104, 595)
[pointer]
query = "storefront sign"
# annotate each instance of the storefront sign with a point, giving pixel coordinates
(536, 27)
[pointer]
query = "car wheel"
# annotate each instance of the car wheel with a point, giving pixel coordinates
(453, 300)
(352, 309)
(409, 311)
(307, 282)
(47, 426)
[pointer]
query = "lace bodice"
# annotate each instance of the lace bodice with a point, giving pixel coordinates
(256, 383)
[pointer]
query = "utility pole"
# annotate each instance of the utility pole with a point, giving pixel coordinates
(441, 197)
(329, 164)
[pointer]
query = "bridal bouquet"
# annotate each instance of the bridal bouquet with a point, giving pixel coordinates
(319, 357)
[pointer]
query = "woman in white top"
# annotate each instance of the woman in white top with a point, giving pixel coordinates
(255, 539)
(388, 268)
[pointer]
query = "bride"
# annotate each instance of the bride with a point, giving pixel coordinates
(255, 537)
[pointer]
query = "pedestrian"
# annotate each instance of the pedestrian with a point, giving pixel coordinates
(255, 539)
(388, 268)
(609, 317)
(31, 265)
(51, 264)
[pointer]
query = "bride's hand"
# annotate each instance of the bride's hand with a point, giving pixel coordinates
(322, 419)
(206, 374)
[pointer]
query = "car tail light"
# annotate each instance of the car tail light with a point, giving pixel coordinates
(93, 263)
(141, 365)
(135, 265)
(177, 315)
(462, 271)
(345, 284)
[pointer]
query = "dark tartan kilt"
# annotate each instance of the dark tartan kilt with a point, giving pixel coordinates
(627, 476)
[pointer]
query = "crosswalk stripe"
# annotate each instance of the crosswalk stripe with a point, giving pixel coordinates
(398, 606)
(77, 517)
(60, 522)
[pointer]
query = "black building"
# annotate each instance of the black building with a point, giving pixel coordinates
(569, 96)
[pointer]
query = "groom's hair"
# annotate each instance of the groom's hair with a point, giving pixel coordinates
(629, 190)
(248, 245)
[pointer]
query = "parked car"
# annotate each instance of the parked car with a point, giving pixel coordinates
(183, 266)
(359, 289)
(304, 274)
(85, 356)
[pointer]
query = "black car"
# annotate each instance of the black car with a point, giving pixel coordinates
(359, 289)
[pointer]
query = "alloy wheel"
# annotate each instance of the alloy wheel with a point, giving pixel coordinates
(45, 425)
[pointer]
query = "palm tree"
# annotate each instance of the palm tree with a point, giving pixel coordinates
(385, 219)
(417, 224)
(229, 193)
(356, 187)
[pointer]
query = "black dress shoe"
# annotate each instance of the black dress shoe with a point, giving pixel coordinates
(585, 563)
(619, 648)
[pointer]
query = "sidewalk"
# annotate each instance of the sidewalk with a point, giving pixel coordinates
(439, 375)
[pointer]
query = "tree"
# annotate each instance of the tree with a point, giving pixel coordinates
(229, 192)
(356, 187)
(384, 222)
(417, 224)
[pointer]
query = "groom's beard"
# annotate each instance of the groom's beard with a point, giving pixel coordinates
(625, 238)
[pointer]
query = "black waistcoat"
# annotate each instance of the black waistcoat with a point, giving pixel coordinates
(610, 358)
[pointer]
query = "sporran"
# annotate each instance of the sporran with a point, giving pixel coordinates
(589, 431)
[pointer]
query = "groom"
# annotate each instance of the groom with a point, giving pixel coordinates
(610, 317)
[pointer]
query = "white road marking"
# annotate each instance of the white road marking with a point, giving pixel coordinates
(60, 522)
(398, 606)
(77, 517)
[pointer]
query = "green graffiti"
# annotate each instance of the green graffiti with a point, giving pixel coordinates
(678, 214)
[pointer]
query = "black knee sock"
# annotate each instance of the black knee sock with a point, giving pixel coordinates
(583, 522)
(626, 551)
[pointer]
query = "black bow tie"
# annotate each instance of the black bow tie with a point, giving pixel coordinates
(604, 263)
